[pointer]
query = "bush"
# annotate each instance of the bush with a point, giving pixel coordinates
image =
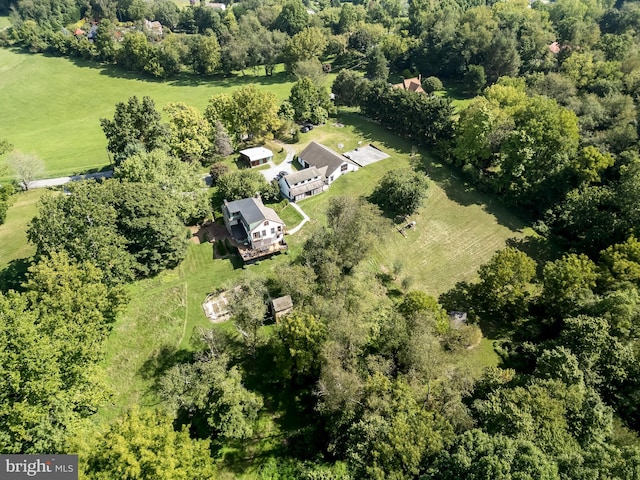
(216, 171)
(431, 84)
(6, 191)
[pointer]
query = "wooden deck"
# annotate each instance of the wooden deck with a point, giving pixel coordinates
(250, 254)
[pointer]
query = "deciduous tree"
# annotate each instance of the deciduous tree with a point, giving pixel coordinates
(401, 192)
(189, 132)
(143, 445)
(248, 112)
(135, 125)
(26, 167)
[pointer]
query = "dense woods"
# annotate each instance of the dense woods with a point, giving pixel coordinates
(368, 370)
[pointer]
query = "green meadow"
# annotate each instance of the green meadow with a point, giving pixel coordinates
(458, 229)
(52, 106)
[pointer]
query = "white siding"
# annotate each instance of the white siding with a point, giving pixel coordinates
(333, 176)
(267, 233)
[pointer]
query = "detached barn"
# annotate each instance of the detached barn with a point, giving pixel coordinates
(256, 156)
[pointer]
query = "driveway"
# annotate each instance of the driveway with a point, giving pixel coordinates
(55, 182)
(285, 166)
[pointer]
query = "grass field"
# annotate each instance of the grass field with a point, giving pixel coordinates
(52, 106)
(4, 22)
(457, 230)
(13, 233)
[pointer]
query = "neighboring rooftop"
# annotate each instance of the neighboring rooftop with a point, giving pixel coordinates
(412, 84)
(366, 155)
(256, 153)
(282, 303)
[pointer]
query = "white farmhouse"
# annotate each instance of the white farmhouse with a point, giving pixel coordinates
(328, 162)
(258, 230)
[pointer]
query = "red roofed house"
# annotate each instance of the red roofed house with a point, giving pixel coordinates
(412, 84)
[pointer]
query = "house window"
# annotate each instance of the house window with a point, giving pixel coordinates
(264, 233)
(273, 230)
(344, 167)
(256, 235)
(331, 178)
(266, 223)
(279, 228)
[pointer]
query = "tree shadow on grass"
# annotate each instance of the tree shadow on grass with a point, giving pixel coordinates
(446, 177)
(162, 359)
(14, 275)
(541, 249)
(185, 79)
(290, 404)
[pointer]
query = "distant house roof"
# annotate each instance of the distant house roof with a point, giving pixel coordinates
(321, 157)
(155, 27)
(411, 84)
(554, 47)
(93, 32)
(282, 303)
(253, 211)
(78, 31)
(256, 153)
(217, 6)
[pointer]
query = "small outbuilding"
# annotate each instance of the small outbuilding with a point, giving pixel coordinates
(256, 156)
(457, 319)
(280, 306)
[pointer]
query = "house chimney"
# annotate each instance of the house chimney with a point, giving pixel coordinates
(420, 78)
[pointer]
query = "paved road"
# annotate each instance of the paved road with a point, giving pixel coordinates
(56, 182)
(274, 169)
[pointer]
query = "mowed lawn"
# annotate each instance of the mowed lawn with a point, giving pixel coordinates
(51, 106)
(13, 233)
(160, 319)
(457, 230)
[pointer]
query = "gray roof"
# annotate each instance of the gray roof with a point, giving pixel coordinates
(321, 157)
(302, 175)
(282, 303)
(253, 211)
(306, 187)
